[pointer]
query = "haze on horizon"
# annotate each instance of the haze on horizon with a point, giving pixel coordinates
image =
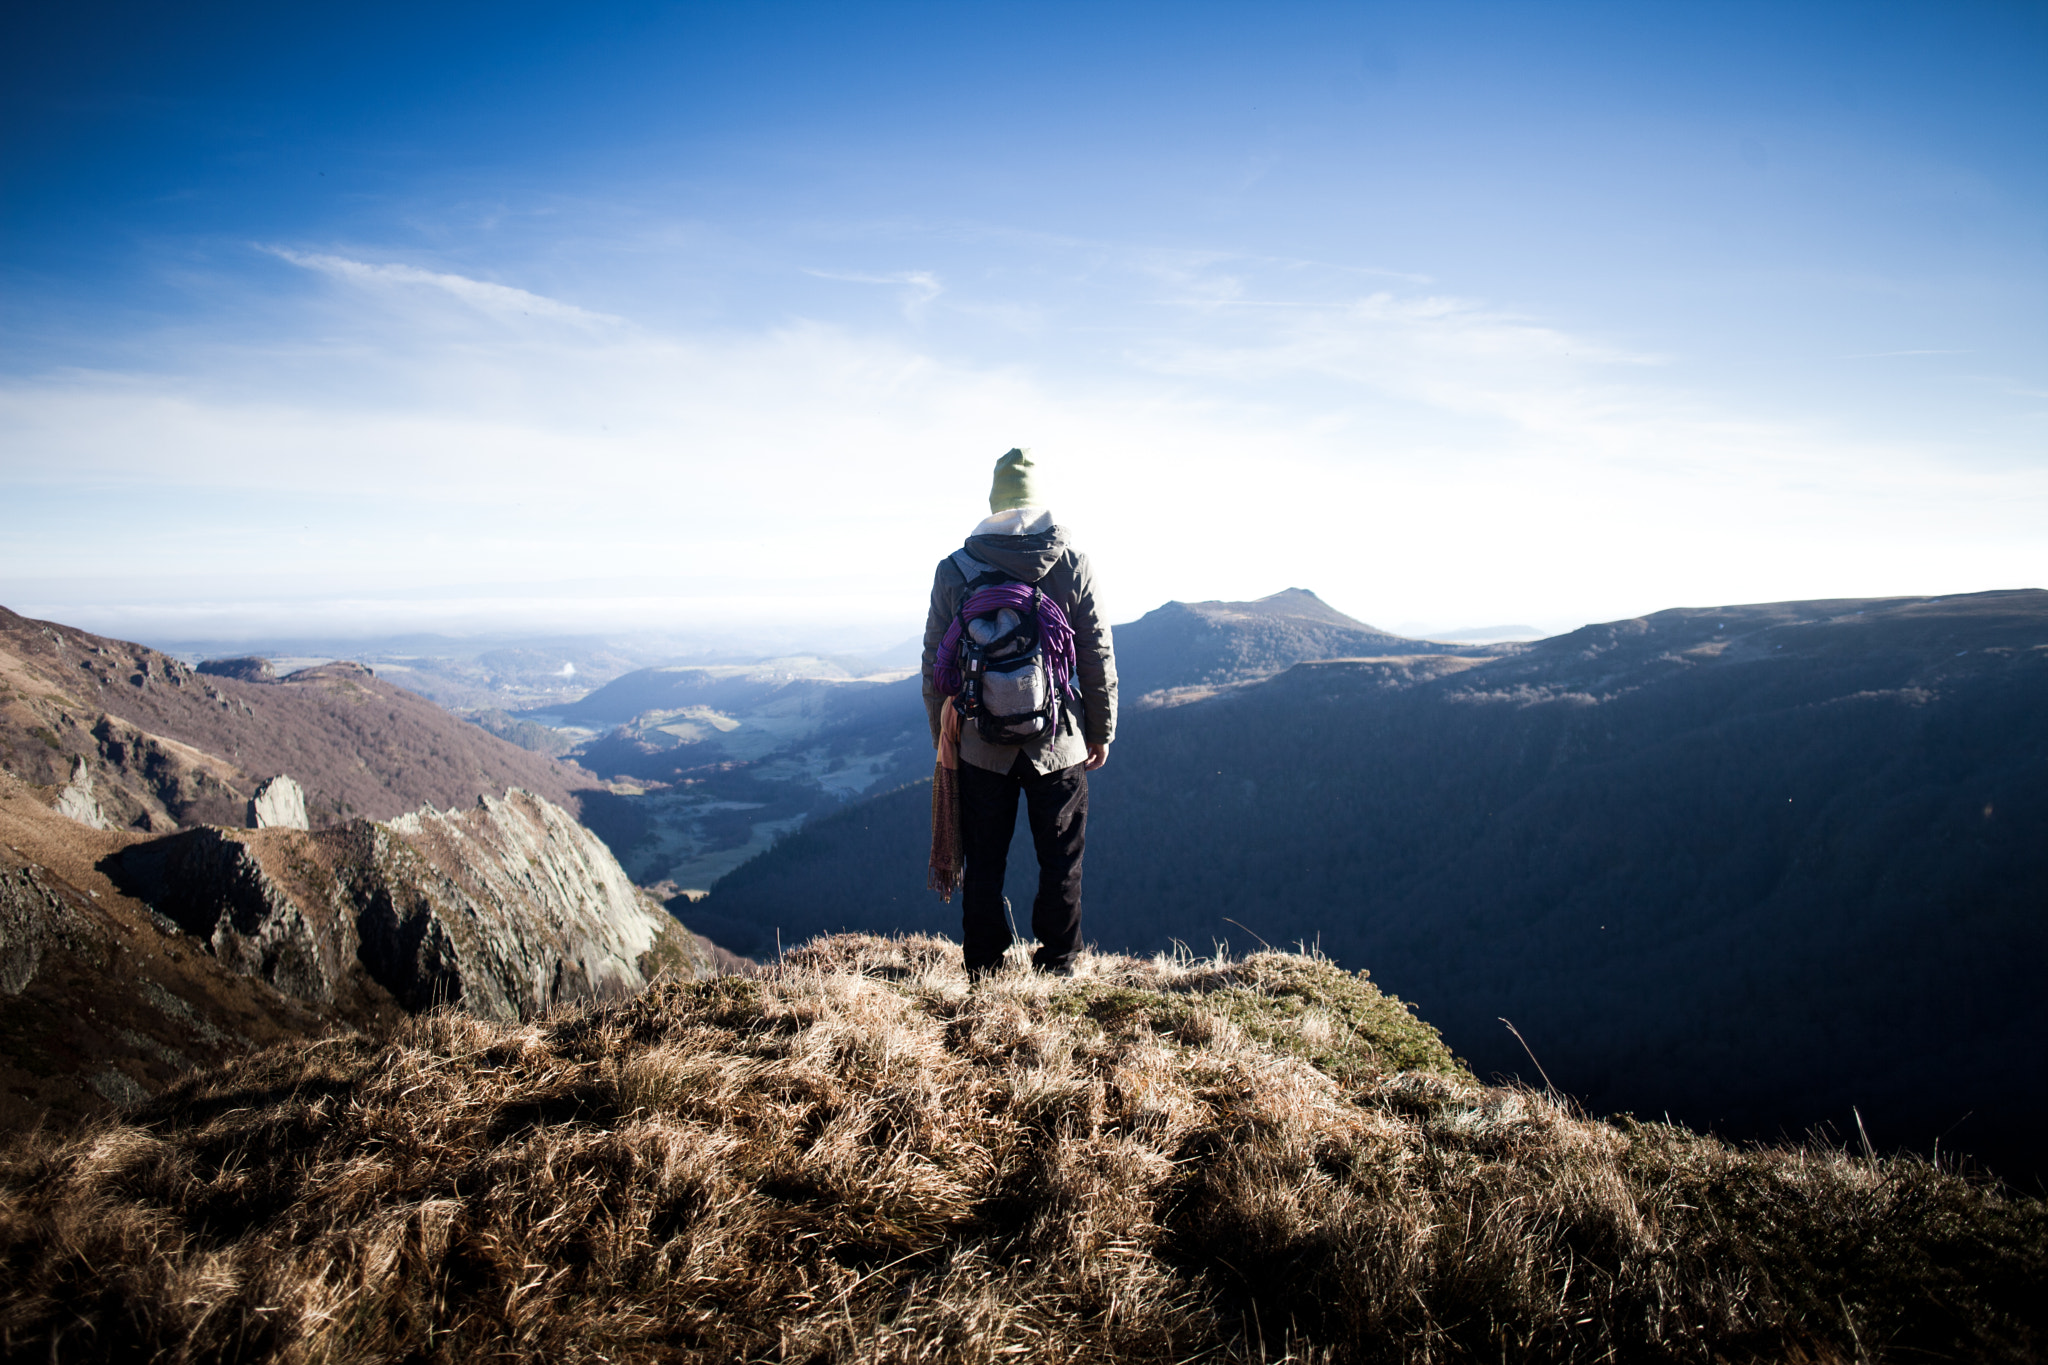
(332, 320)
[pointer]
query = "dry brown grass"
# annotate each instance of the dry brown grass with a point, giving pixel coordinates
(852, 1157)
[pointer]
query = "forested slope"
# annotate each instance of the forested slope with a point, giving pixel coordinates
(1750, 865)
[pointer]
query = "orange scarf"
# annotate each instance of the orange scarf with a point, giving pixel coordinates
(943, 874)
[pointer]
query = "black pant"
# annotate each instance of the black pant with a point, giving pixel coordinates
(1056, 804)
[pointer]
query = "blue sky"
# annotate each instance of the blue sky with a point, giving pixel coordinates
(676, 317)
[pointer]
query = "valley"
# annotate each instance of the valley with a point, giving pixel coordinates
(708, 765)
(705, 767)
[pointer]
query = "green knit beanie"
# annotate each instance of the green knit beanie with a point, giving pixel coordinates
(1013, 485)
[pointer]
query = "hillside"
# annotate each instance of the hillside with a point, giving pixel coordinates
(464, 674)
(856, 1158)
(1751, 866)
(665, 724)
(167, 746)
(164, 905)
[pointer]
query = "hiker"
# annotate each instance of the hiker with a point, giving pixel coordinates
(1029, 685)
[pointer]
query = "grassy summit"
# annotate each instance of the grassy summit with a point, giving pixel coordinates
(855, 1158)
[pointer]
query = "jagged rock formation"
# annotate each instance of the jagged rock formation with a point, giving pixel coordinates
(510, 908)
(506, 909)
(32, 918)
(77, 800)
(278, 804)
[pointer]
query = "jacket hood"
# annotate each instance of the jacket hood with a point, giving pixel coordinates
(1024, 558)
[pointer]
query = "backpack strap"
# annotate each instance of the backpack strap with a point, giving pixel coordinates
(977, 574)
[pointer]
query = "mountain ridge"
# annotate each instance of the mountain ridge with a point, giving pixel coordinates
(359, 745)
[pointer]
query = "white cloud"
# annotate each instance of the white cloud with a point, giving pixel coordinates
(1407, 456)
(494, 300)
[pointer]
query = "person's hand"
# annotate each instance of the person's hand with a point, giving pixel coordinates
(1098, 754)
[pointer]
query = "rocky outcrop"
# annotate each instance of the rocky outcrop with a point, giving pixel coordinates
(340, 670)
(509, 908)
(505, 910)
(101, 1000)
(249, 668)
(213, 884)
(32, 919)
(278, 804)
(77, 800)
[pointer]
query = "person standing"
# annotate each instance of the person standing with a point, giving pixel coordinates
(1019, 543)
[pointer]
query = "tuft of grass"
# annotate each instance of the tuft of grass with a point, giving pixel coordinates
(1301, 1004)
(853, 1156)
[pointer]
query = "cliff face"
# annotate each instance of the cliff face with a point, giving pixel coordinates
(508, 908)
(504, 910)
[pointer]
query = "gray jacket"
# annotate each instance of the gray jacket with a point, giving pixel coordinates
(1062, 573)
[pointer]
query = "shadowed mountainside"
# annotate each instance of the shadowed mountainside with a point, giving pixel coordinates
(1750, 865)
(167, 746)
(857, 1158)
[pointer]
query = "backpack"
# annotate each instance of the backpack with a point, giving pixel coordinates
(1006, 689)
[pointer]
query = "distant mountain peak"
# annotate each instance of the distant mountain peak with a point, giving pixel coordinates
(1206, 644)
(1289, 604)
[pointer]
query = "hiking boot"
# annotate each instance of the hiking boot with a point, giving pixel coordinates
(1053, 968)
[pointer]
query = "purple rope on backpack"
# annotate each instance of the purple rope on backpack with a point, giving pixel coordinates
(1055, 636)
